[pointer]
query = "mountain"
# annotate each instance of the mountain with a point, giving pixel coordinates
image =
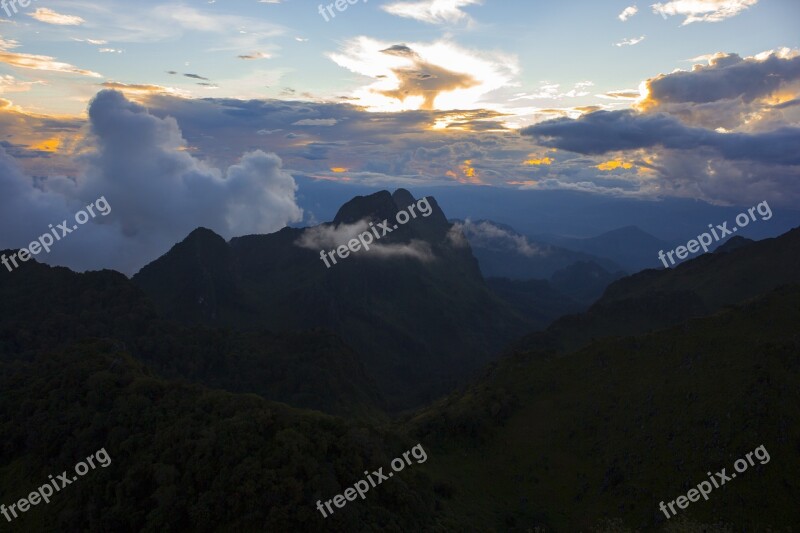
(535, 298)
(657, 299)
(184, 457)
(44, 309)
(502, 252)
(733, 243)
(630, 247)
(593, 440)
(415, 306)
(586, 426)
(584, 281)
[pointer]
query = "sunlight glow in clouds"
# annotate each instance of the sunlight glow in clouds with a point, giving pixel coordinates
(49, 16)
(418, 76)
(37, 62)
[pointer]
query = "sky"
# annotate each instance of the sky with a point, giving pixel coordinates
(212, 112)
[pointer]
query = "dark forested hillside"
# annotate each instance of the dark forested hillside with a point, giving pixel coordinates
(602, 435)
(185, 457)
(46, 308)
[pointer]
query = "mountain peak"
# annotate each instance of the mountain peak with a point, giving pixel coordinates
(403, 198)
(203, 234)
(380, 205)
(733, 243)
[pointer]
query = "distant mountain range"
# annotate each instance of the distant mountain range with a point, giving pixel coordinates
(535, 212)
(503, 252)
(630, 247)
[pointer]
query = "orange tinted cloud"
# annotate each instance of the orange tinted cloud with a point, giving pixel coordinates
(614, 164)
(538, 162)
(468, 173)
(48, 145)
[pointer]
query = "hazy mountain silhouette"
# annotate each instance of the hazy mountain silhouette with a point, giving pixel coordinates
(420, 326)
(656, 299)
(584, 281)
(502, 252)
(630, 247)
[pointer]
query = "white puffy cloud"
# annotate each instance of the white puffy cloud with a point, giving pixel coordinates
(628, 12)
(158, 192)
(432, 11)
(703, 10)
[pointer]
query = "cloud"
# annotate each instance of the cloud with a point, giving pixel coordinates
(729, 92)
(438, 75)
(488, 235)
(624, 94)
(316, 122)
(37, 62)
(630, 42)
(628, 12)
(415, 249)
(134, 89)
(329, 237)
(432, 11)
(158, 192)
(726, 76)
(254, 55)
(9, 84)
(456, 237)
(49, 16)
(92, 41)
(552, 91)
(723, 132)
(703, 10)
(607, 131)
